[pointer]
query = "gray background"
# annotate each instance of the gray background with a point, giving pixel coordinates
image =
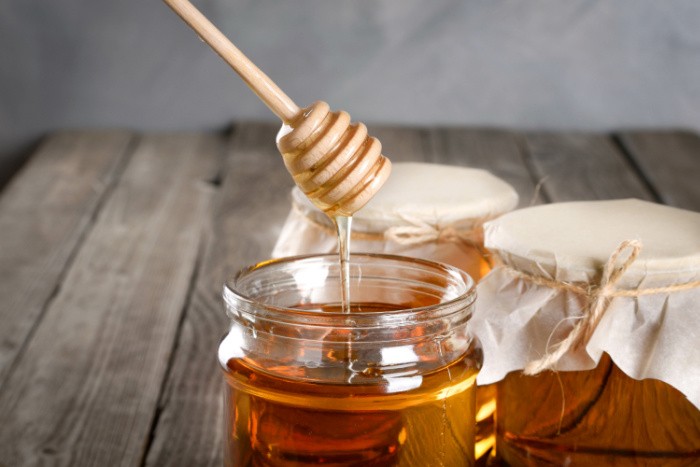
(548, 64)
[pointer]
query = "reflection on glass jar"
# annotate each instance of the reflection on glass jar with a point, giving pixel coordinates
(390, 383)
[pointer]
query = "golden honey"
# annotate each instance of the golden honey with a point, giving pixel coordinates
(274, 421)
(596, 417)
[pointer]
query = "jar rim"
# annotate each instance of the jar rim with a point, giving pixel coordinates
(464, 299)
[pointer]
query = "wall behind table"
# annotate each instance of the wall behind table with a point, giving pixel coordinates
(582, 64)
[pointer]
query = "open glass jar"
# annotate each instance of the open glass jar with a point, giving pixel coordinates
(390, 383)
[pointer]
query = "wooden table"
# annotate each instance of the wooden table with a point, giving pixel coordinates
(114, 247)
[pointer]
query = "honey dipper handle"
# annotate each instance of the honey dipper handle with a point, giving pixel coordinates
(259, 82)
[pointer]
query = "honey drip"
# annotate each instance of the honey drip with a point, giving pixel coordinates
(596, 417)
(344, 227)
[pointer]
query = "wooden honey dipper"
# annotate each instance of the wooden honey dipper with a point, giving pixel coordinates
(334, 162)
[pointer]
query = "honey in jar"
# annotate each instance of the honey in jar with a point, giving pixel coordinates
(391, 383)
(595, 417)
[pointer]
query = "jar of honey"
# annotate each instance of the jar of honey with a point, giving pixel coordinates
(389, 383)
(590, 324)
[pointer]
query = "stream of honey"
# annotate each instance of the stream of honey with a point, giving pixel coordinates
(343, 226)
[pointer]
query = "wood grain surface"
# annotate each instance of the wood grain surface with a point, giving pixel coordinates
(115, 247)
(669, 162)
(44, 214)
(86, 387)
(498, 151)
(401, 144)
(580, 166)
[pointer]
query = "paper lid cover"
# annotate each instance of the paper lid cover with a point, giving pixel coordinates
(577, 238)
(571, 287)
(435, 194)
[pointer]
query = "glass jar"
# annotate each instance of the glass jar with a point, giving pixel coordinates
(390, 383)
(589, 325)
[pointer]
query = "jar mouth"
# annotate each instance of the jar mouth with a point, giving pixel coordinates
(306, 290)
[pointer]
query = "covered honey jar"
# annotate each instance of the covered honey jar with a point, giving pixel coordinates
(427, 211)
(590, 324)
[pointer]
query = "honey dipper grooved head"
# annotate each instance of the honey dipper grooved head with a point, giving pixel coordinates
(333, 161)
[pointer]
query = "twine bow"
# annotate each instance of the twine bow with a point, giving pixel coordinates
(599, 298)
(420, 231)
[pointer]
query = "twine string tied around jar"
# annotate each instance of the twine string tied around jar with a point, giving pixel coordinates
(414, 232)
(418, 231)
(598, 298)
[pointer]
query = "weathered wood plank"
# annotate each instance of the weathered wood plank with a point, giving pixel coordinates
(44, 213)
(670, 162)
(498, 151)
(85, 390)
(252, 206)
(579, 166)
(404, 144)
